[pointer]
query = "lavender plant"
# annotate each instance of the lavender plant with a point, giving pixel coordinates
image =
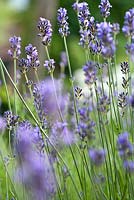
(70, 143)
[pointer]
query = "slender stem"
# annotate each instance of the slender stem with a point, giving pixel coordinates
(5, 84)
(72, 81)
(15, 100)
(29, 87)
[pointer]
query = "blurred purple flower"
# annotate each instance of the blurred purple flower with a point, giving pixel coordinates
(15, 45)
(44, 99)
(129, 165)
(45, 29)
(105, 35)
(128, 28)
(2, 124)
(34, 168)
(62, 21)
(130, 50)
(63, 61)
(97, 156)
(90, 73)
(125, 148)
(105, 8)
(60, 134)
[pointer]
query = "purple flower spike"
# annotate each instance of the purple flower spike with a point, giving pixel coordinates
(130, 50)
(128, 28)
(83, 13)
(105, 35)
(15, 45)
(97, 156)
(90, 72)
(45, 29)
(32, 56)
(124, 146)
(105, 8)
(49, 64)
(62, 21)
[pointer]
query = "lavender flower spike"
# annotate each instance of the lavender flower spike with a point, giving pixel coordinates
(49, 64)
(15, 45)
(45, 29)
(62, 20)
(128, 28)
(105, 8)
(32, 56)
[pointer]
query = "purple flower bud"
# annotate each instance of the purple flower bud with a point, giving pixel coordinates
(83, 13)
(115, 28)
(24, 65)
(105, 35)
(11, 120)
(97, 156)
(49, 65)
(90, 73)
(15, 45)
(32, 56)
(105, 8)
(62, 21)
(45, 29)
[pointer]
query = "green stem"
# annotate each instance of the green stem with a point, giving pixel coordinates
(15, 100)
(5, 84)
(72, 81)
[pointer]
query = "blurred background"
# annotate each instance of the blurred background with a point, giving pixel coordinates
(20, 17)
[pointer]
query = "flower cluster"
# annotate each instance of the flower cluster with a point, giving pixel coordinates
(62, 20)
(105, 8)
(49, 65)
(32, 56)
(11, 120)
(128, 28)
(45, 29)
(15, 44)
(105, 35)
(90, 73)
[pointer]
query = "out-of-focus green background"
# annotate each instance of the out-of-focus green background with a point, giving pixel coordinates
(19, 17)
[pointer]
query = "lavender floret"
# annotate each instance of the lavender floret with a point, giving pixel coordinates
(128, 28)
(90, 73)
(62, 21)
(15, 45)
(105, 8)
(45, 29)
(50, 65)
(32, 56)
